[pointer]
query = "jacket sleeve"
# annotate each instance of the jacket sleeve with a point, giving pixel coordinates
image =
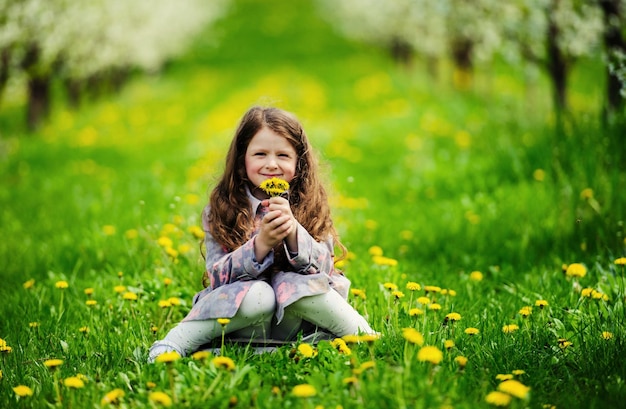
(312, 256)
(224, 267)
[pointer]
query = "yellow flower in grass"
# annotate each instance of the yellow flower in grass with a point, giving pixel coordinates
(351, 380)
(223, 321)
(119, 289)
(471, 331)
(375, 251)
(525, 311)
(0, 374)
(130, 296)
(434, 307)
(61, 284)
(504, 376)
(461, 361)
(497, 398)
(23, 391)
(168, 357)
(84, 330)
(384, 261)
(112, 397)
(29, 284)
(165, 241)
(412, 286)
(541, 304)
(74, 382)
(430, 354)
(514, 388)
(397, 294)
(160, 398)
(224, 363)
(196, 231)
(88, 291)
(576, 270)
(432, 289)
(510, 328)
(274, 186)
(52, 363)
(108, 230)
(415, 311)
(586, 292)
(390, 286)
(607, 335)
(131, 234)
(167, 281)
(453, 317)
(564, 343)
(5, 348)
(413, 336)
(341, 346)
(304, 391)
(91, 303)
(33, 324)
(476, 276)
(621, 261)
(200, 355)
(358, 293)
(306, 350)
(448, 344)
(518, 372)
(174, 300)
(423, 300)
(165, 303)
(150, 385)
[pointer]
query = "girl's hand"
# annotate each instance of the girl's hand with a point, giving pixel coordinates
(275, 227)
(281, 204)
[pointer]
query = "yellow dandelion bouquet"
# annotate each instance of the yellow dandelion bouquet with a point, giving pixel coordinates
(274, 186)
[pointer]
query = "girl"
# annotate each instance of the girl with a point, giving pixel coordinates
(269, 260)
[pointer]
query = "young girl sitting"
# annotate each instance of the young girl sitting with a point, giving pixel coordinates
(269, 260)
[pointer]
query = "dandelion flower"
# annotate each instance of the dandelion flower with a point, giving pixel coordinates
(131, 234)
(112, 397)
(385, 261)
(224, 363)
(497, 398)
(165, 303)
(84, 330)
(518, 372)
(476, 276)
(223, 321)
(510, 328)
(91, 303)
(471, 331)
(167, 281)
(504, 376)
(274, 186)
(304, 390)
(200, 355)
(23, 391)
(564, 343)
(52, 363)
(390, 286)
(453, 317)
(525, 311)
(119, 288)
(196, 231)
(576, 270)
(586, 292)
(73, 382)
(461, 361)
(448, 344)
(412, 286)
(432, 289)
(415, 311)
(130, 296)
(430, 354)
(351, 380)
(33, 324)
(621, 261)
(160, 398)
(434, 307)
(306, 350)
(375, 251)
(29, 284)
(423, 300)
(357, 293)
(341, 346)
(607, 335)
(165, 241)
(88, 291)
(397, 294)
(108, 230)
(541, 303)
(367, 365)
(514, 388)
(61, 284)
(168, 357)
(413, 336)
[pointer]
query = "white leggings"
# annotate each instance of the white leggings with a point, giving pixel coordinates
(253, 320)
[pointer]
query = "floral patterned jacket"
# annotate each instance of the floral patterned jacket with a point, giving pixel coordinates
(308, 272)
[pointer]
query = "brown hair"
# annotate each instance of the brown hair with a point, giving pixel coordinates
(230, 219)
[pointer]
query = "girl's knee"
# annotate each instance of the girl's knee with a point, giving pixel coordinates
(260, 299)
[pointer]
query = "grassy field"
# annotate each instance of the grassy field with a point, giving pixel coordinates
(513, 232)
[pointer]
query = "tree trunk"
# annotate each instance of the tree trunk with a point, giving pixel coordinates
(5, 58)
(557, 66)
(38, 101)
(462, 49)
(614, 42)
(401, 51)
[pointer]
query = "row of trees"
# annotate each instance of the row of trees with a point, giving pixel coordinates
(549, 34)
(87, 43)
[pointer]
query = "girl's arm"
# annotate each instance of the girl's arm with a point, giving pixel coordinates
(224, 267)
(312, 256)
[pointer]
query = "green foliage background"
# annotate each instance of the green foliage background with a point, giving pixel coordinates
(444, 181)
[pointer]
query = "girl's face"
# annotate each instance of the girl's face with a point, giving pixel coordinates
(270, 155)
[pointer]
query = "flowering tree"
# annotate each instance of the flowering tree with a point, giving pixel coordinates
(614, 17)
(76, 40)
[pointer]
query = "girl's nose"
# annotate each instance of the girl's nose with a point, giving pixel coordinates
(271, 163)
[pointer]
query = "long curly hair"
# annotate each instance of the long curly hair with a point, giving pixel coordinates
(230, 218)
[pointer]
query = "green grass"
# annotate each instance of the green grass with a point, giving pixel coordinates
(442, 180)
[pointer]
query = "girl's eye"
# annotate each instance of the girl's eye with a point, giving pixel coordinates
(259, 154)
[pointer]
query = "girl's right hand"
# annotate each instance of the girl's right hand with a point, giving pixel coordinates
(275, 226)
